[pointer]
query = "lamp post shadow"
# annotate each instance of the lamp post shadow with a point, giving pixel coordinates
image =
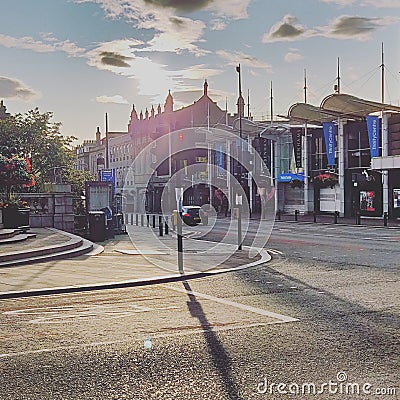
(219, 355)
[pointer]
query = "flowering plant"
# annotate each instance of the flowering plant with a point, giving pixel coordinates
(327, 179)
(15, 172)
(13, 202)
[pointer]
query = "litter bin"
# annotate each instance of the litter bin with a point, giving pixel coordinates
(119, 224)
(97, 226)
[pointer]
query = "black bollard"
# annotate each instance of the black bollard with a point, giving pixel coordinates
(335, 217)
(385, 218)
(166, 226)
(141, 220)
(278, 214)
(315, 216)
(160, 226)
(148, 220)
(296, 214)
(137, 219)
(154, 221)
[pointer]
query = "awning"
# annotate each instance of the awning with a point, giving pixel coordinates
(309, 113)
(337, 105)
(351, 106)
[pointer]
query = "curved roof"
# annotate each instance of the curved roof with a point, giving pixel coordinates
(309, 113)
(337, 105)
(352, 106)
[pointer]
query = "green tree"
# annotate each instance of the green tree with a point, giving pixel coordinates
(35, 136)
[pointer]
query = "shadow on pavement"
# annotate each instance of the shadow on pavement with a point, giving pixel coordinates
(220, 357)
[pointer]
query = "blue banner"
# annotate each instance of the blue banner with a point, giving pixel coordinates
(373, 135)
(290, 176)
(220, 158)
(329, 135)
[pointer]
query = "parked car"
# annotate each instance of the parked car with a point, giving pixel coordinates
(193, 215)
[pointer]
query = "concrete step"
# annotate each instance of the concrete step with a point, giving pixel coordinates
(7, 233)
(58, 252)
(20, 237)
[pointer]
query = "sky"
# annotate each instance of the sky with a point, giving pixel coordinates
(81, 59)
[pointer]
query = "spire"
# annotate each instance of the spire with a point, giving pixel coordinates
(133, 113)
(205, 88)
(159, 109)
(152, 112)
(169, 103)
(146, 114)
(141, 115)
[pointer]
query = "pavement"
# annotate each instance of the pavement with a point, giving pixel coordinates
(138, 258)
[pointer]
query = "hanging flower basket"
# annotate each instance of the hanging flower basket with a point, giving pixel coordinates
(329, 179)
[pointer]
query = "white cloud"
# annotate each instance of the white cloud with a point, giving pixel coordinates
(11, 88)
(237, 57)
(342, 27)
(368, 3)
(48, 46)
(218, 24)
(293, 55)
(288, 29)
(354, 27)
(236, 9)
(117, 99)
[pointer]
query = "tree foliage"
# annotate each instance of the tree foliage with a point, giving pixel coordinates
(33, 135)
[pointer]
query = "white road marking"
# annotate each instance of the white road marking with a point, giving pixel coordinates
(240, 306)
(153, 336)
(274, 251)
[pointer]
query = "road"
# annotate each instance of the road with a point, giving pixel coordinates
(323, 316)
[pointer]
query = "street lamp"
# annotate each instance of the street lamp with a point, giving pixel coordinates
(179, 200)
(239, 200)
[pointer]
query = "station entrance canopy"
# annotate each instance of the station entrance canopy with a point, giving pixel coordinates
(336, 106)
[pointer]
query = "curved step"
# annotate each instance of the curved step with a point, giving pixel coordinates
(7, 233)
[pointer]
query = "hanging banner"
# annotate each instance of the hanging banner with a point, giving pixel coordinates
(373, 135)
(296, 137)
(220, 159)
(329, 135)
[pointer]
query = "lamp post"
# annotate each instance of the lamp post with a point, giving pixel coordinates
(179, 200)
(239, 217)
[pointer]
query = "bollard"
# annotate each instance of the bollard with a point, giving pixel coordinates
(335, 216)
(239, 214)
(315, 216)
(296, 214)
(154, 221)
(148, 220)
(131, 219)
(358, 218)
(137, 219)
(166, 225)
(141, 220)
(160, 226)
(278, 214)
(385, 218)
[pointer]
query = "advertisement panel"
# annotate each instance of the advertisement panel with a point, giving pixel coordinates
(367, 201)
(396, 198)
